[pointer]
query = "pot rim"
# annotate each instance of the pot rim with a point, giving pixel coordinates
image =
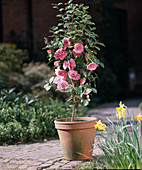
(65, 121)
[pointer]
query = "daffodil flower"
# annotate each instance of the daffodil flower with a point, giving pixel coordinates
(100, 125)
(138, 117)
(121, 110)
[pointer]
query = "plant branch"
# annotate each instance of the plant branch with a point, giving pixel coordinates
(72, 17)
(74, 111)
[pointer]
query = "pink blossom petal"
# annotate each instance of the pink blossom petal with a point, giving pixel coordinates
(86, 58)
(62, 85)
(92, 66)
(65, 64)
(66, 42)
(87, 91)
(71, 64)
(74, 75)
(60, 54)
(58, 79)
(82, 81)
(76, 53)
(62, 73)
(57, 70)
(56, 63)
(78, 48)
(77, 77)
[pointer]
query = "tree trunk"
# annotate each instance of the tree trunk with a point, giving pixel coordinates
(74, 112)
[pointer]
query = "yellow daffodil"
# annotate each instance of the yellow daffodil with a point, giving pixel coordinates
(100, 125)
(138, 117)
(121, 110)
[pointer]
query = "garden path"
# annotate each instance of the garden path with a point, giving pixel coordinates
(48, 154)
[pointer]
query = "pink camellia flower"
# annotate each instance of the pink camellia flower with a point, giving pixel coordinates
(86, 58)
(87, 91)
(65, 64)
(57, 70)
(92, 66)
(76, 53)
(66, 42)
(82, 81)
(56, 63)
(58, 79)
(62, 73)
(71, 64)
(60, 54)
(62, 85)
(74, 75)
(78, 48)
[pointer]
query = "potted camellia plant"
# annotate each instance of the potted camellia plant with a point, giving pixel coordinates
(73, 49)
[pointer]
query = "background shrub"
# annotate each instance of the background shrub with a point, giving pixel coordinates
(11, 60)
(26, 77)
(24, 119)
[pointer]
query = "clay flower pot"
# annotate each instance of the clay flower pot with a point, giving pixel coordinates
(76, 137)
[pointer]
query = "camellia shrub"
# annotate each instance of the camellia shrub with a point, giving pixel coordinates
(73, 48)
(24, 119)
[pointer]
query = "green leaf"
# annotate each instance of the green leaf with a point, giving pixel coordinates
(55, 7)
(56, 32)
(54, 28)
(91, 23)
(94, 90)
(88, 17)
(60, 3)
(101, 44)
(68, 89)
(94, 28)
(102, 64)
(85, 102)
(62, 9)
(79, 12)
(86, 7)
(59, 15)
(61, 30)
(47, 86)
(11, 90)
(85, 73)
(70, 99)
(69, 11)
(97, 48)
(51, 80)
(70, 2)
(59, 24)
(78, 90)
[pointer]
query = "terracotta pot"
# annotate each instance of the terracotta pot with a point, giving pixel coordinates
(76, 137)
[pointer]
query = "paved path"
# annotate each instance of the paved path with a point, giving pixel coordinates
(48, 155)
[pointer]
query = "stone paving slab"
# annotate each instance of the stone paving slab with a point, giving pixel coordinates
(48, 155)
(35, 156)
